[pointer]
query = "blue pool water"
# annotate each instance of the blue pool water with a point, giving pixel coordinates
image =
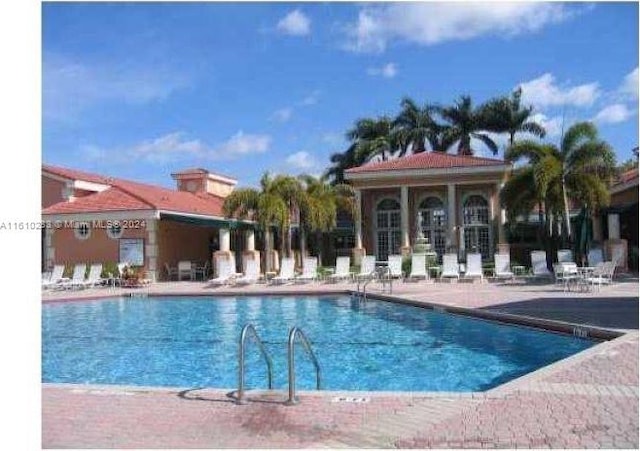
(193, 342)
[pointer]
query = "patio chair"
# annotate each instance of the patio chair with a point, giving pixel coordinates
(185, 269)
(602, 274)
(286, 271)
(172, 271)
(309, 270)
(201, 272)
(450, 267)
(342, 269)
(595, 256)
(394, 265)
(418, 267)
(539, 264)
(251, 273)
(474, 267)
(565, 256)
(367, 268)
(55, 278)
(565, 273)
(225, 272)
(503, 266)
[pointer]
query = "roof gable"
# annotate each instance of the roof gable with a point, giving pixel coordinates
(427, 160)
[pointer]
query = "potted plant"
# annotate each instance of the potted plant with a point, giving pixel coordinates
(131, 276)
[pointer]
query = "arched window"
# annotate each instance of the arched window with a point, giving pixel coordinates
(433, 219)
(114, 230)
(475, 216)
(82, 231)
(387, 228)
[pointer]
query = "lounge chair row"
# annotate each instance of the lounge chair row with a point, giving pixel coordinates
(78, 280)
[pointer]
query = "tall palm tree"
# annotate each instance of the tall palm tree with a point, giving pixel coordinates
(291, 191)
(464, 122)
(342, 161)
(374, 137)
(507, 115)
(264, 206)
(415, 126)
(580, 169)
(318, 210)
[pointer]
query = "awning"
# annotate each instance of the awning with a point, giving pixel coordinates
(209, 222)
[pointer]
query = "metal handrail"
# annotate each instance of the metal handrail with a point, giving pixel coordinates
(243, 337)
(293, 333)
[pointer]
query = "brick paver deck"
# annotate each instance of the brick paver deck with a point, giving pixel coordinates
(588, 400)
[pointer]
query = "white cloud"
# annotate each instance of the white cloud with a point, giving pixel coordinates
(553, 125)
(543, 91)
(282, 115)
(177, 146)
(389, 70)
(70, 86)
(629, 86)
(613, 114)
(301, 160)
(296, 23)
(243, 144)
(311, 99)
(433, 23)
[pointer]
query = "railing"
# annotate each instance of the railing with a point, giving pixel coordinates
(293, 334)
(246, 330)
(383, 275)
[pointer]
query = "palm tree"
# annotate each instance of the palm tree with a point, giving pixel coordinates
(463, 123)
(374, 137)
(264, 206)
(415, 126)
(580, 169)
(318, 210)
(507, 115)
(290, 190)
(341, 162)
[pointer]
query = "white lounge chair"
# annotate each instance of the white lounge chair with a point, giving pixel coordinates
(77, 279)
(225, 271)
(394, 264)
(172, 271)
(367, 268)
(94, 278)
(251, 273)
(474, 267)
(595, 256)
(418, 267)
(342, 271)
(539, 264)
(309, 270)
(286, 271)
(565, 256)
(503, 266)
(55, 278)
(450, 267)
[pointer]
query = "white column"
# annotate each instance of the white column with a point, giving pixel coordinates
(49, 250)
(613, 223)
(151, 249)
(358, 223)
(251, 240)
(404, 215)
(451, 213)
(502, 216)
(225, 240)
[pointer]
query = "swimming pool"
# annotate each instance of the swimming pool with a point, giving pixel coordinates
(377, 345)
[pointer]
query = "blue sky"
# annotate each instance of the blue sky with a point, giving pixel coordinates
(141, 90)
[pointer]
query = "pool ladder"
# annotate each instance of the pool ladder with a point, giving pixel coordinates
(295, 333)
(383, 275)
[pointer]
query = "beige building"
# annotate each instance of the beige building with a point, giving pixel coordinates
(454, 200)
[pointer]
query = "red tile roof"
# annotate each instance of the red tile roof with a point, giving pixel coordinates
(627, 176)
(129, 195)
(427, 160)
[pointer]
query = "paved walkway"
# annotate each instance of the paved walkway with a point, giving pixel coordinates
(588, 400)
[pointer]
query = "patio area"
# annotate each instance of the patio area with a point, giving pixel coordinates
(588, 400)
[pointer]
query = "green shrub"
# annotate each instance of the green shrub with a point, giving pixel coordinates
(406, 264)
(110, 269)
